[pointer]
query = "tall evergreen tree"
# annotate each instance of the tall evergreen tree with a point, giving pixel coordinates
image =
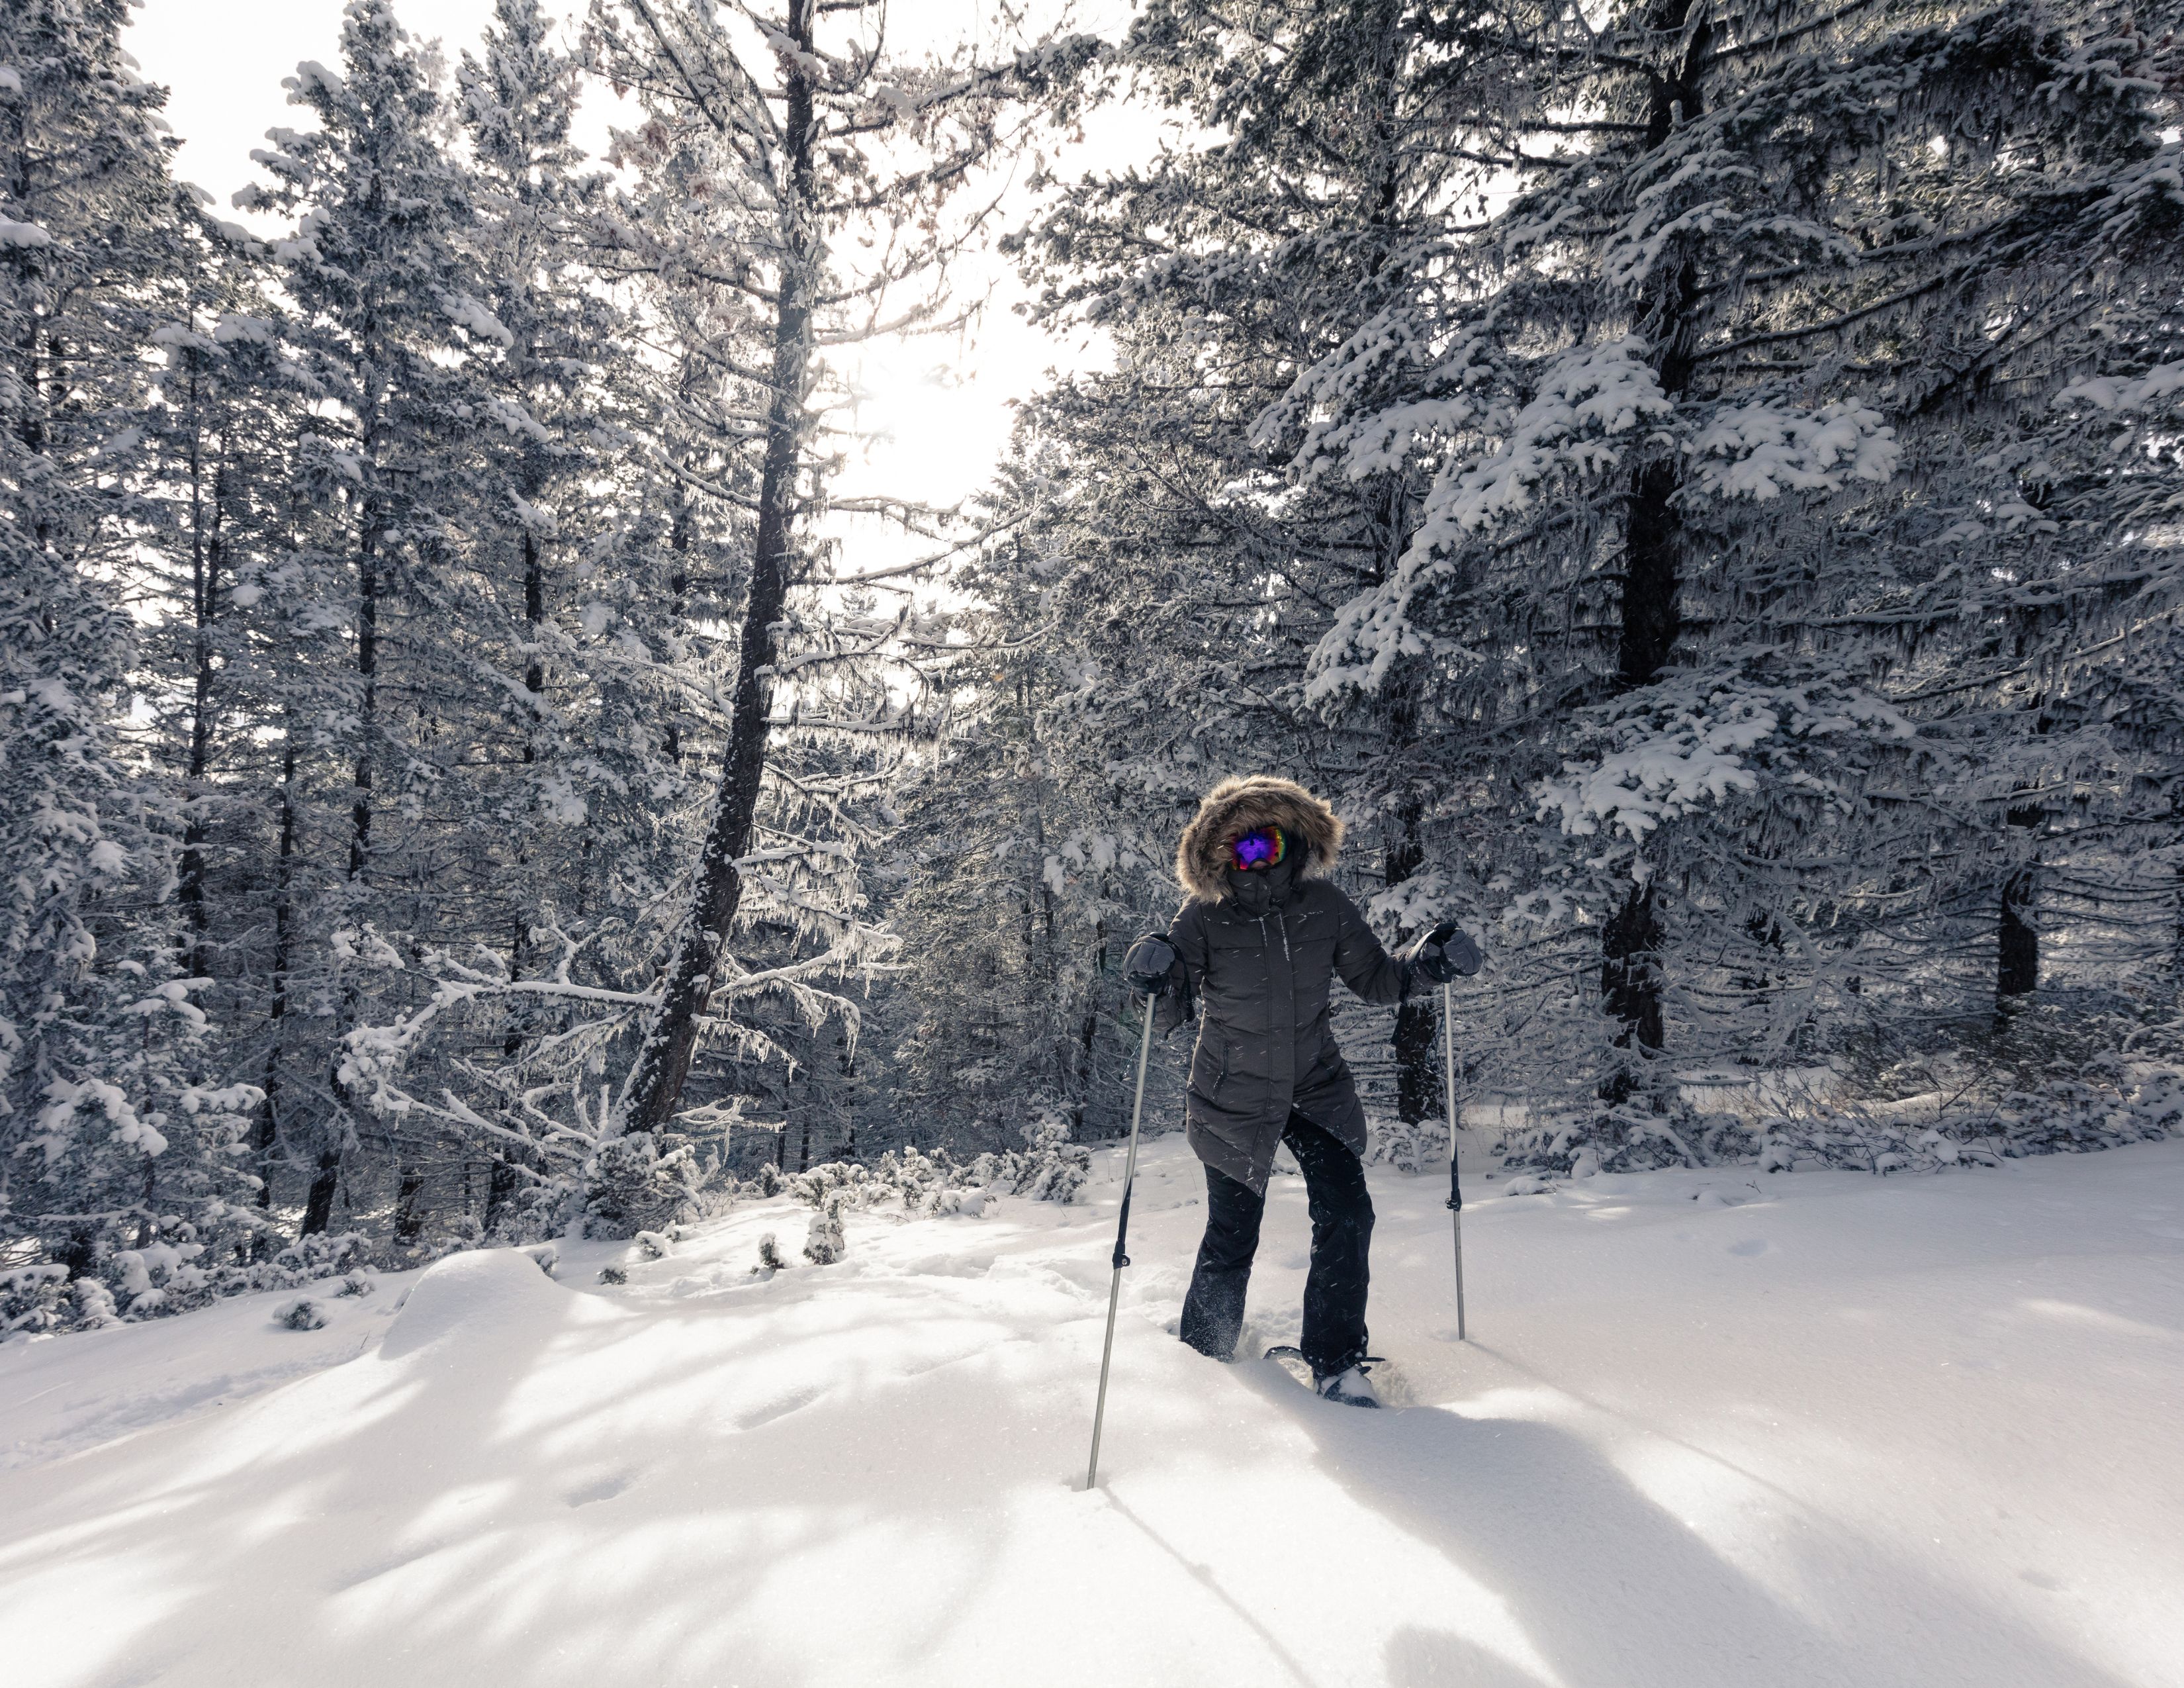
(108, 1134)
(1760, 285)
(782, 138)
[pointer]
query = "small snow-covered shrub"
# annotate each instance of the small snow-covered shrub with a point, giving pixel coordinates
(654, 1245)
(305, 1314)
(533, 1214)
(613, 1274)
(2108, 1102)
(546, 1256)
(949, 1202)
(914, 1176)
(94, 1305)
(1052, 1169)
(358, 1283)
(858, 1185)
(769, 1257)
(328, 1255)
(824, 1242)
(1048, 1168)
(1417, 1146)
(35, 1299)
(637, 1182)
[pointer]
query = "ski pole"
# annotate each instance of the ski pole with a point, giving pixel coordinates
(1454, 1188)
(1121, 1260)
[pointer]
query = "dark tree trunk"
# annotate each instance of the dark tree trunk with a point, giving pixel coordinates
(2017, 949)
(499, 1189)
(501, 1182)
(266, 1132)
(1630, 985)
(80, 1256)
(409, 1204)
(678, 584)
(1089, 1031)
(663, 1060)
(1417, 1078)
(534, 613)
(319, 1204)
(1652, 548)
(367, 668)
(1652, 557)
(205, 560)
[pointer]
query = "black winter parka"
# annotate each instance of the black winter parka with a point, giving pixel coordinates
(1256, 963)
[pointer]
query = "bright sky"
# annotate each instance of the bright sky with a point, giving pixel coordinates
(937, 408)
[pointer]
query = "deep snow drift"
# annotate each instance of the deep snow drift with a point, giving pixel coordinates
(1712, 1429)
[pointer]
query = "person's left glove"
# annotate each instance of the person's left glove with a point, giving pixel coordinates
(1150, 968)
(1445, 954)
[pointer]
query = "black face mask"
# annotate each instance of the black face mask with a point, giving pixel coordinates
(1261, 890)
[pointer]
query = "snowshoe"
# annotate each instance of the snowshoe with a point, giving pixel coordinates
(1350, 1387)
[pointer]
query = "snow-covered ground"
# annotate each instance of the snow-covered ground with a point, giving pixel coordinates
(1718, 1428)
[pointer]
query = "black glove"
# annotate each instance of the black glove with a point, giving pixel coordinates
(1149, 968)
(1445, 954)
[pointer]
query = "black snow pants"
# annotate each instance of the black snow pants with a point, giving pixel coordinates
(1341, 1236)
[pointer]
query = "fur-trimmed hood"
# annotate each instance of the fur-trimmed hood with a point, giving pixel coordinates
(1236, 807)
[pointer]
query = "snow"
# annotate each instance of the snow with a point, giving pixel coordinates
(1587, 397)
(1588, 403)
(1694, 740)
(1759, 452)
(2141, 394)
(1713, 1427)
(466, 312)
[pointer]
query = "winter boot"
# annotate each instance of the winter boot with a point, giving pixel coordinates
(1351, 1387)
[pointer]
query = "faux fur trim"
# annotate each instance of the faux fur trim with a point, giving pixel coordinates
(1236, 806)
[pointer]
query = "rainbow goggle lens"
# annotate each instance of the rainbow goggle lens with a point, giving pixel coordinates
(1261, 848)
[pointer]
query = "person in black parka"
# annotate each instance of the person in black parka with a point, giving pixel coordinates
(1253, 953)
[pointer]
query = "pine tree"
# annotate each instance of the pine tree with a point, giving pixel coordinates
(396, 336)
(1758, 283)
(111, 1133)
(770, 137)
(1221, 272)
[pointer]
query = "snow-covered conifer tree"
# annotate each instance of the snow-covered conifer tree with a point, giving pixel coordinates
(1757, 322)
(111, 1129)
(780, 142)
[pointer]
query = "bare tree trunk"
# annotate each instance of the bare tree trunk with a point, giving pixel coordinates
(2017, 945)
(265, 1134)
(409, 1203)
(1631, 978)
(205, 560)
(367, 668)
(1417, 1074)
(662, 1066)
(1630, 985)
(318, 1204)
(501, 1182)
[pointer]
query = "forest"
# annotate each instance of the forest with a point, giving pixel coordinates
(1697, 485)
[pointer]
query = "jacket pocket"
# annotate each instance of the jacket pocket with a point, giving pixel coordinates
(1211, 1067)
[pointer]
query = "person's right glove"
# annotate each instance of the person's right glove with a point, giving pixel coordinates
(1150, 968)
(1445, 954)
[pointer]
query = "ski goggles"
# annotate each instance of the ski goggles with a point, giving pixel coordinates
(1262, 847)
